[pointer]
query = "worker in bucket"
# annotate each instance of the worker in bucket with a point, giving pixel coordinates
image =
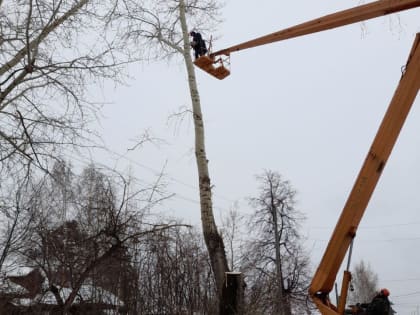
(198, 44)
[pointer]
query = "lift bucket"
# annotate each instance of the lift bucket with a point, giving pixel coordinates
(214, 67)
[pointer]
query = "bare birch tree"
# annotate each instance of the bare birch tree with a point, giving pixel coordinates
(232, 228)
(174, 274)
(364, 283)
(275, 263)
(163, 26)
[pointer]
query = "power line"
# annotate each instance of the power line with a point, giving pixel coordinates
(372, 226)
(176, 195)
(156, 172)
(372, 240)
(401, 280)
(407, 294)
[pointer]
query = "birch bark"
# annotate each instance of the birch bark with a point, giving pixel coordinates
(214, 242)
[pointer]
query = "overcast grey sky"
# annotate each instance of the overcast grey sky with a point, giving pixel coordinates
(308, 108)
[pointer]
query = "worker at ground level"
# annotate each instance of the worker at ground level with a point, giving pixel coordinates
(198, 44)
(380, 304)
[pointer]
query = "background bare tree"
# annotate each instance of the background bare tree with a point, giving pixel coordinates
(174, 274)
(14, 209)
(364, 283)
(51, 52)
(275, 264)
(92, 247)
(232, 233)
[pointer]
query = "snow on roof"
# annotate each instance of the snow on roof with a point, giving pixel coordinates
(87, 293)
(49, 298)
(98, 294)
(9, 287)
(23, 301)
(17, 271)
(12, 267)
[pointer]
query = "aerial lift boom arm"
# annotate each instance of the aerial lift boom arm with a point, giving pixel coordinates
(213, 64)
(349, 16)
(345, 230)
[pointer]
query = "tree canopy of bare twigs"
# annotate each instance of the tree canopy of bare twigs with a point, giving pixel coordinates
(156, 25)
(51, 52)
(364, 283)
(17, 218)
(276, 266)
(94, 233)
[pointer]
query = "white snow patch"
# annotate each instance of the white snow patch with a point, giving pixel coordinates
(9, 287)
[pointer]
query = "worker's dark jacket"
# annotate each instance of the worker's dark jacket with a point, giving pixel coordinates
(379, 306)
(198, 44)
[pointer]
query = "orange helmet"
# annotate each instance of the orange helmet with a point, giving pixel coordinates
(385, 292)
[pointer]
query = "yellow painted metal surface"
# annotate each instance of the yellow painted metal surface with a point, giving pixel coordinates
(323, 307)
(343, 294)
(385, 139)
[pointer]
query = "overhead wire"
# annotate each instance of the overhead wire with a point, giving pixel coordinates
(219, 196)
(156, 173)
(373, 240)
(407, 294)
(380, 226)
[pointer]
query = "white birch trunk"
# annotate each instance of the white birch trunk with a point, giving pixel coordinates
(212, 238)
(279, 303)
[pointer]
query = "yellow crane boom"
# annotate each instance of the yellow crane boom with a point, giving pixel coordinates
(214, 65)
(349, 16)
(379, 152)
